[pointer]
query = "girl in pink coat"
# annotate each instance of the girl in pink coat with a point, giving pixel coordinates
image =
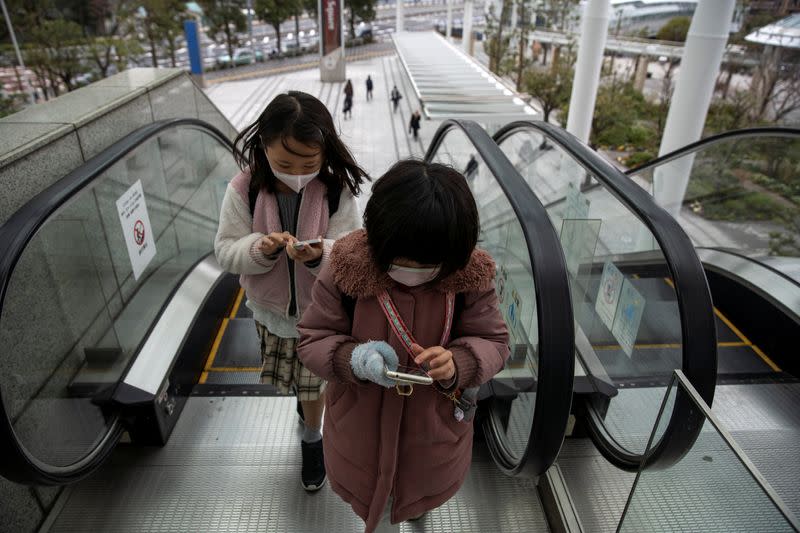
(410, 291)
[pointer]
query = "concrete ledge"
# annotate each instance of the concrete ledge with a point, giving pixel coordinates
(33, 142)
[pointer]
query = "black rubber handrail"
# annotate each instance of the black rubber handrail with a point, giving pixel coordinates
(555, 317)
(714, 139)
(15, 235)
(698, 329)
(702, 144)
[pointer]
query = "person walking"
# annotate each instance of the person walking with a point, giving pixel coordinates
(413, 125)
(369, 87)
(347, 109)
(396, 96)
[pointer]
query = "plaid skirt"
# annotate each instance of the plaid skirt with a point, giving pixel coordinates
(281, 368)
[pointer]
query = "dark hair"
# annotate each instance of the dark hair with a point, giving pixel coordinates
(300, 116)
(424, 212)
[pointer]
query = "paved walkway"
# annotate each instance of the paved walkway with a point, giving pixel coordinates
(377, 136)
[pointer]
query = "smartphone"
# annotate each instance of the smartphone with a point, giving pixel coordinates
(299, 245)
(402, 377)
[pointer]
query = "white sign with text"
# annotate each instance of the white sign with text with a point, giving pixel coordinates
(136, 228)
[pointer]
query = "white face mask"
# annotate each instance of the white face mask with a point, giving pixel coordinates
(411, 277)
(296, 182)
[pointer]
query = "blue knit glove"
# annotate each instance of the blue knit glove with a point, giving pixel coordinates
(368, 360)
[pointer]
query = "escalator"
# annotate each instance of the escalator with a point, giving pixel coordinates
(149, 380)
(140, 385)
(740, 205)
(744, 251)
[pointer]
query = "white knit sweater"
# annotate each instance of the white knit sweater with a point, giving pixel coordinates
(235, 239)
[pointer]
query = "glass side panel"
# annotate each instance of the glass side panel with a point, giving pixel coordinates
(501, 235)
(740, 194)
(76, 311)
(709, 489)
(622, 294)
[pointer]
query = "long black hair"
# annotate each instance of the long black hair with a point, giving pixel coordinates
(302, 117)
(424, 212)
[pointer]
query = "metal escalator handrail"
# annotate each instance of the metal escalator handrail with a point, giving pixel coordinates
(556, 322)
(714, 139)
(15, 235)
(698, 329)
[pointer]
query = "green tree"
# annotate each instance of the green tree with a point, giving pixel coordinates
(551, 87)
(311, 8)
(361, 9)
(733, 112)
(56, 51)
(526, 24)
(619, 113)
(8, 106)
(111, 42)
(497, 42)
(675, 30)
(557, 14)
(162, 22)
(274, 12)
(225, 17)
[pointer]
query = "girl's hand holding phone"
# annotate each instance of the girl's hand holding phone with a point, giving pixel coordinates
(436, 360)
(273, 242)
(306, 252)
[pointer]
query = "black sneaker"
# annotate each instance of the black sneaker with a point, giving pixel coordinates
(313, 474)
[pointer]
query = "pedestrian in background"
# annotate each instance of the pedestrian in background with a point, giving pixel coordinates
(413, 125)
(348, 100)
(369, 88)
(396, 96)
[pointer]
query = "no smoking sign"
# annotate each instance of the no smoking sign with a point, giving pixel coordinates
(136, 228)
(138, 232)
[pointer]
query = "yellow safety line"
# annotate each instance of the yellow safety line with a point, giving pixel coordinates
(747, 342)
(733, 328)
(732, 344)
(235, 369)
(214, 348)
(766, 359)
(236, 304)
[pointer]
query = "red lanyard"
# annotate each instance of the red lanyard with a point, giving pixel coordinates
(400, 329)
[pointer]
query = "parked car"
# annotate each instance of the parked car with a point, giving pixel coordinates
(242, 56)
(363, 30)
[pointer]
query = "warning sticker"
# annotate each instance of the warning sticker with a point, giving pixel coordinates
(136, 228)
(608, 294)
(628, 317)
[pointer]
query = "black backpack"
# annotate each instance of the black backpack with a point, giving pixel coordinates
(334, 192)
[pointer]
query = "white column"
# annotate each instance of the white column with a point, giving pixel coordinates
(449, 19)
(594, 30)
(700, 64)
(400, 24)
(466, 26)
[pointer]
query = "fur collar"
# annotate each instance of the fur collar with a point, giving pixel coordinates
(357, 275)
